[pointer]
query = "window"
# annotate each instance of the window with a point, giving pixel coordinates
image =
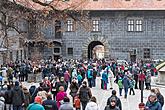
(70, 51)
(130, 25)
(11, 56)
(17, 55)
(95, 25)
(56, 50)
(21, 52)
(58, 30)
(146, 53)
(69, 25)
(24, 54)
(139, 25)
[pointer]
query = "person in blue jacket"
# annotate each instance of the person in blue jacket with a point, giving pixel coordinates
(152, 103)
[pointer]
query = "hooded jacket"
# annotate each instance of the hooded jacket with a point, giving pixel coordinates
(92, 106)
(18, 96)
(153, 105)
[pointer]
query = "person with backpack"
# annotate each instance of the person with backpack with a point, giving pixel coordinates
(36, 105)
(112, 105)
(118, 101)
(84, 94)
(120, 85)
(8, 96)
(49, 104)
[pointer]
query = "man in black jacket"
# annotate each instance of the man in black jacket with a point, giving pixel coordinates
(84, 94)
(49, 104)
(18, 97)
(118, 101)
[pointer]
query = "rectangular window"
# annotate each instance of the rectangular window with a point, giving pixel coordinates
(146, 53)
(139, 25)
(11, 56)
(69, 25)
(21, 52)
(56, 50)
(70, 51)
(24, 54)
(130, 25)
(95, 25)
(17, 55)
(58, 30)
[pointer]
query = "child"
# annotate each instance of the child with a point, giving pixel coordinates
(132, 85)
(76, 103)
(120, 84)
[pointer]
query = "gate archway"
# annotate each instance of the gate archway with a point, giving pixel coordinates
(91, 42)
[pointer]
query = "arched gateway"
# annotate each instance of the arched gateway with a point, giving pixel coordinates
(91, 42)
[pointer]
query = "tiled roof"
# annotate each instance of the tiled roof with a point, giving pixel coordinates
(106, 4)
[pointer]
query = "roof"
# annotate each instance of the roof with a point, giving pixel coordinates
(104, 4)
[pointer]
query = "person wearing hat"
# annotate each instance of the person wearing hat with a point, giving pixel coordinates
(18, 97)
(36, 105)
(112, 105)
(2, 103)
(152, 103)
(84, 94)
(118, 101)
(92, 104)
(61, 83)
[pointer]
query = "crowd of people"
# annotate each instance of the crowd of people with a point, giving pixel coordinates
(78, 77)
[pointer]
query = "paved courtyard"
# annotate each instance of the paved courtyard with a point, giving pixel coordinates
(131, 103)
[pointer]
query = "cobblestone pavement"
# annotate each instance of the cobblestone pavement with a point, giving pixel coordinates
(131, 103)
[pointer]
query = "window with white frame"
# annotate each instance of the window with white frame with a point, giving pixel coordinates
(130, 25)
(139, 25)
(69, 25)
(146, 53)
(95, 24)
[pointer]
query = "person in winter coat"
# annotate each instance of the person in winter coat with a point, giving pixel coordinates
(148, 80)
(8, 96)
(67, 77)
(92, 104)
(50, 104)
(104, 79)
(120, 85)
(66, 105)
(28, 98)
(126, 85)
(132, 85)
(74, 88)
(79, 78)
(152, 103)
(112, 105)
(60, 96)
(2, 103)
(36, 105)
(160, 97)
(61, 83)
(18, 97)
(118, 101)
(84, 94)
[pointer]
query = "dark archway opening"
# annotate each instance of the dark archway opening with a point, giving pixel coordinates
(92, 51)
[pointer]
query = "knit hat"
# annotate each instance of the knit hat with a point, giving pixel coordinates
(16, 83)
(38, 99)
(152, 95)
(2, 99)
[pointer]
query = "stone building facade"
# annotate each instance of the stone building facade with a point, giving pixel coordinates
(124, 34)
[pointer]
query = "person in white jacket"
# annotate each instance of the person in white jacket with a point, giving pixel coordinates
(92, 104)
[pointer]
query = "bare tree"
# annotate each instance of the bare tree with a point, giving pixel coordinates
(42, 11)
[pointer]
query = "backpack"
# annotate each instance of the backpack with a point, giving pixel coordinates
(77, 102)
